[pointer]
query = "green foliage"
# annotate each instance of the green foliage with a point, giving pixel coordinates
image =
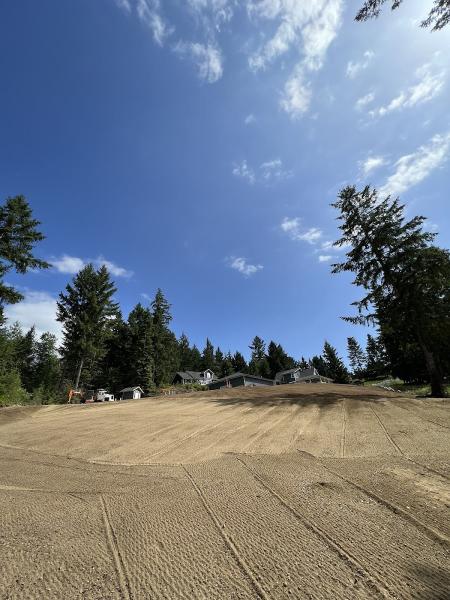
(439, 15)
(11, 390)
(208, 361)
(18, 236)
(227, 367)
(239, 363)
(356, 358)
(278, 360)
(165, 344)
(87, 313)
(258, 364)
(406, 280)
(334, 365)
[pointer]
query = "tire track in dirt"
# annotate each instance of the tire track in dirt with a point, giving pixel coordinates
(372, 581)
(111, 539)
(344, 429)
(431, 532)
(228, 541)
(197, 432)
(265, 431)
(419, 464)
(387, 434)
(413, 412)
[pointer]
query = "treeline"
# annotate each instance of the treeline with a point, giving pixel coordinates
(405, 277)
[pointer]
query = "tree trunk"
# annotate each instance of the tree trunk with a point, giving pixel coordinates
(77, 380)
(437, 385)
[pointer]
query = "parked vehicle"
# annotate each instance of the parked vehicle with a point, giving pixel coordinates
(103, 396)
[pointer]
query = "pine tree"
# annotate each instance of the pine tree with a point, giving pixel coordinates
(334, 365)
(208, 356)
(407, 281)
(196, 359)
(356, 357)
(439, 15)
(227, 366)
(47, 369)
(25, 354)
(320, 365)
(185, 353)
(165, 345)
(278, 360)
(86, 311)
(141, 366)
(258, 363)
(239, 363)
(18, 236)
(218, 361)
(376, 360)
(303, 364)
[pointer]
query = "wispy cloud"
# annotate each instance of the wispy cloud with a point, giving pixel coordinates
(38, 309)
(355, 68)
(430, 84)
(124, 4)
(71, 265)
(308, 26)
(364, 101)
(270, 171)
(411, 169)
(244, 171)
(249, 119)
(207, 58)
(325, 257)
(370, 164)
(295, 231)
(242, 266)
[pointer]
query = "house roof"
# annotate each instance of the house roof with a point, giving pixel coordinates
(239, 374)
(192, 374)
(131, 389)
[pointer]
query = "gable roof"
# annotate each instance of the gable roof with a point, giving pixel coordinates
(192, 374)
(131, 389)
(244, 375)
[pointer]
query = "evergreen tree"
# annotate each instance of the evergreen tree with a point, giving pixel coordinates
(86, 311)
(165, 346)
(303, 364)
(208, 356)
(227, 366)
(141, 360)
(239, 363)
(18, 236)
(47, 375)
(218, 361)
(320, 365)
(258, 363)
(407, 281)
(278, 360)
(334, 365)
(439, 15)
(25, 356)
(196, 359)
(356, 358)
(376, 359)
(185, 353)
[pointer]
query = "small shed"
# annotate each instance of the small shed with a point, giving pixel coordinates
(131, 393)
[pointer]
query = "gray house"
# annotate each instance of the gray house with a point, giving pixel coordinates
(131, 393)
(201, 377)
(240, 380)
(298, 375)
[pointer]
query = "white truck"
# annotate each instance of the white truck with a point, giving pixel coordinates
(103, 396)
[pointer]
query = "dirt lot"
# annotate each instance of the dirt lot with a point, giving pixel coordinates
(300, 491)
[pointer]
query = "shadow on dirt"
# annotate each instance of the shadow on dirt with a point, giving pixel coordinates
(437, 581)
(303, 398)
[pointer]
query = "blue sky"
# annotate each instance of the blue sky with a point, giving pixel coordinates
(196, 146)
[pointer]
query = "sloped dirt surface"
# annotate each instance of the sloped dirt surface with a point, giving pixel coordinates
(311, 492)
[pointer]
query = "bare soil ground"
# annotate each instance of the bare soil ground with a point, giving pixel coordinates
(298, 491)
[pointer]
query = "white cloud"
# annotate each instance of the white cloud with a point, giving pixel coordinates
(213, 13)
(307, 27)
(38, 309)
(267, 172)
(242, 266)
(68, 264)
(124, 4)
(355, 68)
(372, 163)
(430, 84)
(325, 257)
(149, 12)
(364, 101)
(249, 119)
(71, 265)
(243, 170)
(207, 58)
(273, 170)
(293, 228)
(411, 169)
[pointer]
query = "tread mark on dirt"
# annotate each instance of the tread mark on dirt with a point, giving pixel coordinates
(419, 464)
(434, 534)
(422, 418)
(265, 431)
(371, 580)
(195, 433)
(386, 432)
(113, 546)
(230, 544)
(344, 429)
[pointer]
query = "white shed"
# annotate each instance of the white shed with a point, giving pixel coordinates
(131, 393)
